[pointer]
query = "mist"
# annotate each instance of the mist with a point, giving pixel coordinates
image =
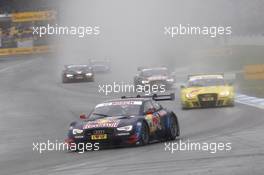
(132, 32)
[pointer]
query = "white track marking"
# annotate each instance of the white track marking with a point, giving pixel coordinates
(250, 101)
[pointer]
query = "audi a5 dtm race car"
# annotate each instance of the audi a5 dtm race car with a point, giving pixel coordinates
(77, 73)
(207, 90)
(154, 76)
(126, 121)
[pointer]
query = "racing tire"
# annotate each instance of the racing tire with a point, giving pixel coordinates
(173, 130)
(144, 135)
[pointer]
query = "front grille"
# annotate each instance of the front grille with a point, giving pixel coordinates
(111, 140)
(79, 76)
(207, 100)
(108, 131)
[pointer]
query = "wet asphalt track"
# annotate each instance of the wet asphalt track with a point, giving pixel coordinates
(36, 106)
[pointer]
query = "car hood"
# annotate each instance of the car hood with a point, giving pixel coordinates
(110, 122)
(209, 89)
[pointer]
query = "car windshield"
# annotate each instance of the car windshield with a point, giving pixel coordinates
(153, 72)
(116, 109)
(206, 82)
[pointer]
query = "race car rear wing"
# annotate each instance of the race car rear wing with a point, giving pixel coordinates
(155, 97)
(72, 65)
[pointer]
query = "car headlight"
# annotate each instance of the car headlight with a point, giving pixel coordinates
(190, 96)
(170, 80)
(88, 74)
(69, 75)
(224, 94)
(77, 131)
(144, 81)
(125, 128)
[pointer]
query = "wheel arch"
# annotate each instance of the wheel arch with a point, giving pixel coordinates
(145, 121)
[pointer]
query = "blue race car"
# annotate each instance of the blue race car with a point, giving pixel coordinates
(126, 121)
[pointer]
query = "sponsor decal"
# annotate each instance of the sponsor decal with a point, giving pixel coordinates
(156, 121)
(153, 121)
(103, 123)
(119, 103)
(195, 91)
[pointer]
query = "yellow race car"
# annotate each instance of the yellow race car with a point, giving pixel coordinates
(203, 91)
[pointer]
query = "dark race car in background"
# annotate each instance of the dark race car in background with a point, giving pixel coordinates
(77, 73)
(100, 66)
(126, 121)
(154, 76)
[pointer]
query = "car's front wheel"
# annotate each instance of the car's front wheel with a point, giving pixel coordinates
(144, 134)
(173, 129)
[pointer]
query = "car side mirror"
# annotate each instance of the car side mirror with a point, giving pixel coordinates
(83, 116)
